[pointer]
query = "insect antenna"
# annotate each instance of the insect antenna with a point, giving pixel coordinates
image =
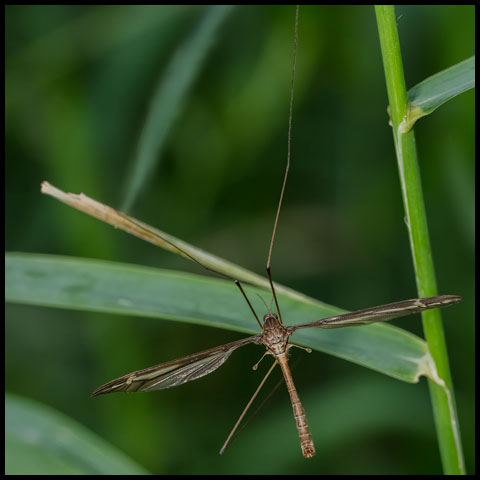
(269, 273)
(269, 310)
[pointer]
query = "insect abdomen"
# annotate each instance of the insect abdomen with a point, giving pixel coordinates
(306, 442)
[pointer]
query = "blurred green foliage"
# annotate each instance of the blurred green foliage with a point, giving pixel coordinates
(79, 83)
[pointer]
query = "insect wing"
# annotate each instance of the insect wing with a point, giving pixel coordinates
(382, 313)
(176, 372)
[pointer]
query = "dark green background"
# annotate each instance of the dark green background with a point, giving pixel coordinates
(79, 81)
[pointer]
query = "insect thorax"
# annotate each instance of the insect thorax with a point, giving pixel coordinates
(275, 335)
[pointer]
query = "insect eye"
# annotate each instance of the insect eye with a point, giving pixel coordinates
(270, 316)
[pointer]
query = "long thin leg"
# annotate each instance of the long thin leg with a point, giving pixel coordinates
(288, 163)
(227, 441)
(239, 285)
(144, 227)
(269, 273)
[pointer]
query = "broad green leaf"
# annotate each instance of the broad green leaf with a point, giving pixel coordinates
(168, 100)
(42, 441)
(434, 91)
(129, 289)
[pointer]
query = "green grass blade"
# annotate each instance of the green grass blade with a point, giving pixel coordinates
(171, 92)
(434, 91)
(42, 441)
(161, 239)
(134, 290)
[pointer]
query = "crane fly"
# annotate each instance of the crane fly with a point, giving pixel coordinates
(274, 334)
(275, 338)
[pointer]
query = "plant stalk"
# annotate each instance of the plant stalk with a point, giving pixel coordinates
(441, 390)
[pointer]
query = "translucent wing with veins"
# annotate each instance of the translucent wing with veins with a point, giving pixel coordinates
(381, 313)
(176, 372)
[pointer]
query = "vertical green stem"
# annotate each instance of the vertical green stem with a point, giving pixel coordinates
(440, 385)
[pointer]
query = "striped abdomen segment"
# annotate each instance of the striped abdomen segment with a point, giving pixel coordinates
(308, 449)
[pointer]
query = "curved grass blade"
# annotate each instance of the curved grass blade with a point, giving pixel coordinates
(133, 290)
(168, 100)
(163, 240)
(40, 440)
